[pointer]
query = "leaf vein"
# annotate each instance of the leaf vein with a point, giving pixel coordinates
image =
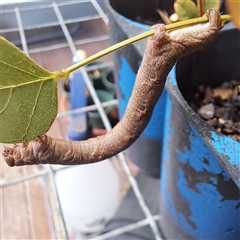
(23, 84)
(20, 69)
(9, 97)
(33, 110)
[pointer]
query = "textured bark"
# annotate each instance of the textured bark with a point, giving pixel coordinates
(162, 51)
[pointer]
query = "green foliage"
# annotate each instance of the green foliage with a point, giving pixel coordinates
(28, 103)
(185, 9)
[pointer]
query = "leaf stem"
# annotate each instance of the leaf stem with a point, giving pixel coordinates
(173, 26)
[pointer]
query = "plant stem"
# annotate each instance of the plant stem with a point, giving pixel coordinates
(173, 26)
(201, 7)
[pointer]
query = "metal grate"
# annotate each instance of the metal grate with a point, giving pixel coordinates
(46, 174)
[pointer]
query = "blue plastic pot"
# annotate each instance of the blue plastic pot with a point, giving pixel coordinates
(200, 168)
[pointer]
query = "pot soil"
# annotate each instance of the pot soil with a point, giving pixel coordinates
(219, 107)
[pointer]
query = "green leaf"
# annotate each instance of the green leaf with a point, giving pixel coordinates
(212, 4)
(185, 9)
(28, 93)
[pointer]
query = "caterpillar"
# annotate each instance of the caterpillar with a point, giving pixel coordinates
(162, 51)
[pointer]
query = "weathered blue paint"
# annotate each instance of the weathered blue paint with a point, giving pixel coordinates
(227, 147)
(203, 202)
(209, 214)
(209, 211)
(127, 77)
(197, 153)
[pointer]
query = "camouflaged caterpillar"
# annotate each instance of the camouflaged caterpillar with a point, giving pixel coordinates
(162, 51)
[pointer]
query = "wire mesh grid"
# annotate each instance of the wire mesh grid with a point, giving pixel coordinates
(57, 223)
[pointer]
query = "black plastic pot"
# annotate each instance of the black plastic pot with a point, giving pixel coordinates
(200, 168)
